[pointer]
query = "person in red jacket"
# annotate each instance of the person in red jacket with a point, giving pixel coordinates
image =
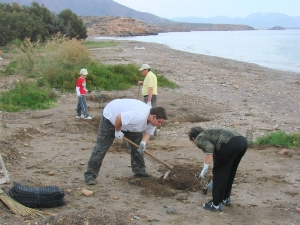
(81, 92)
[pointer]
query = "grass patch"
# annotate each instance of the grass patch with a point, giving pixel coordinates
(279, 139)
(99, 44)
(26, 95)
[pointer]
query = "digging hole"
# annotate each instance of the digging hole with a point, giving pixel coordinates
(190, 119)
(183, 178)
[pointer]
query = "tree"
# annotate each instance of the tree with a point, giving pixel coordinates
(71, 25)
(37, 23)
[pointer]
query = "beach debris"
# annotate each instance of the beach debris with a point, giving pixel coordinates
(283, 151)
(87, 192)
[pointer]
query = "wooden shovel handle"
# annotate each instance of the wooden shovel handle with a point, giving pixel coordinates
(148, 153)
(138, 96)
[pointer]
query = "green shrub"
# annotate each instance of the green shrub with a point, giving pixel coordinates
(280, 139)
(56, 64)
(27, 95)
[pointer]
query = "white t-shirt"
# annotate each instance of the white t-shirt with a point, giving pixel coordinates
(134, 115)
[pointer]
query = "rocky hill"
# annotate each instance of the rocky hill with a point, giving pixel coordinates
(117, 26)
(108, 18)
(124, 26)
(94, 8)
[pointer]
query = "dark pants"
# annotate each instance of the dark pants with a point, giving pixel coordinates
(81, 106)
(105, 138)
(153, 100)
(226, 162)
(153, 104)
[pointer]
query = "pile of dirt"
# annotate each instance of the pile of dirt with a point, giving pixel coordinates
(183, 178)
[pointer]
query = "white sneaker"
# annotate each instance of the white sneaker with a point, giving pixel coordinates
(78, 117)
(88, 118)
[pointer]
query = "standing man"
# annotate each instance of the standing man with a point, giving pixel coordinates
(81, 92)
(226, 148)
(149, 89)
(130, 118)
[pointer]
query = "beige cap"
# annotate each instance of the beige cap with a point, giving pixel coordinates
(145, 67)
(83, 72)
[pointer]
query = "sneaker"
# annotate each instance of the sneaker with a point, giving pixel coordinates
(210, 206)
(90, 181)
(88, 118)
(227, 202)
(79, 117)
(142, 174)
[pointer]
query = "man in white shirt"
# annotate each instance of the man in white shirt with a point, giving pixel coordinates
(130, 118)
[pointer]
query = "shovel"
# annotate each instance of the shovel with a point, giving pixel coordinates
(153, 156)
(138, 96)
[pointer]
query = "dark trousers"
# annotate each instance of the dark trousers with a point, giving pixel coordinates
(153, 100)
(105, 138)
(81, 106)
(226, 162)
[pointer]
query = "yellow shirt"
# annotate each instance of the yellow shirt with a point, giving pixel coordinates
(149, 81)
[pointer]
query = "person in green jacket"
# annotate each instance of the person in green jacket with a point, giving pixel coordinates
(226, 148)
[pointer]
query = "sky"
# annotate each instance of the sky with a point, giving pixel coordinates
(211, 8)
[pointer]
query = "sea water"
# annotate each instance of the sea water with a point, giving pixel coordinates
(276, 49)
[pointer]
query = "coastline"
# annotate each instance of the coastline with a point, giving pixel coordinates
(252, 96)
(279, 52)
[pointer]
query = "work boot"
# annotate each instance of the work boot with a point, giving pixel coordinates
(90, 181)
(142, 174)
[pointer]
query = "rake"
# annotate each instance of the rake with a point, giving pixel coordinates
(20, 209)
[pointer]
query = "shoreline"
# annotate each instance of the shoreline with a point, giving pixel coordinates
(252, 95)
(257, 55)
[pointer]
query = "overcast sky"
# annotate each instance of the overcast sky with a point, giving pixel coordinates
(211, 8)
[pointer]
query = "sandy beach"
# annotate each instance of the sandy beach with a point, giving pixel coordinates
(51, 147)
(247, 95)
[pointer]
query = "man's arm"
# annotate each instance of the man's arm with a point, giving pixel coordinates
(208, 158)
(118, 123)
(145, 137)
(150, 91)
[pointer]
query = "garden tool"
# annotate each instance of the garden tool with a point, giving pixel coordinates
(151, 155)
(6, 176)
(138, 96)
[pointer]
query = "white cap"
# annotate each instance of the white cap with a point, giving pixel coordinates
(145, 67)
(83, 72)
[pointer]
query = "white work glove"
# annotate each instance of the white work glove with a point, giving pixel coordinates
(149, 103)
(119, 134)
(204, 171)
(142, 147)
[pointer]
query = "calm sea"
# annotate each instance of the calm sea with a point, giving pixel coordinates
(276, 49)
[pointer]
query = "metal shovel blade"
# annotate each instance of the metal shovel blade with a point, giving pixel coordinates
(167, 173)
(151, 155)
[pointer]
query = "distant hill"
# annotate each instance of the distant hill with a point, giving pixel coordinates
(93, 8)
(256, 20)
(106, 17)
